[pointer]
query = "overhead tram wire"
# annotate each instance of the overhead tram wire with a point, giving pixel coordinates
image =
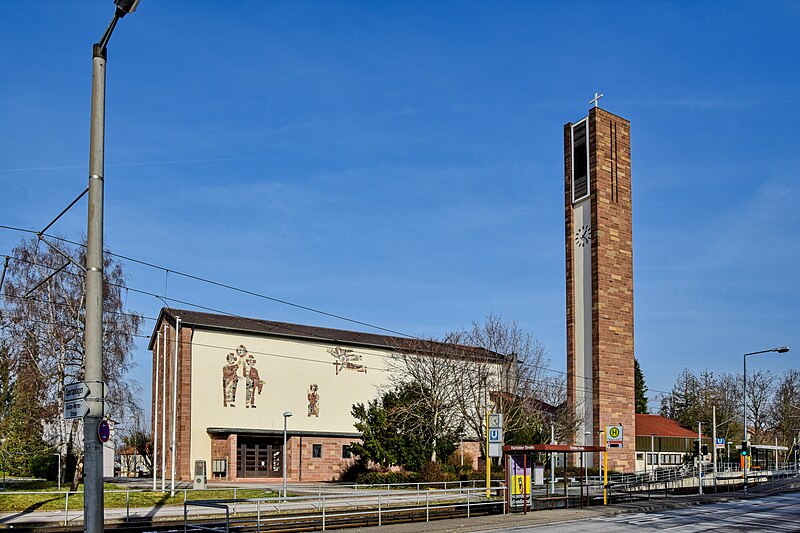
(302, 359)
(245, 291)
(227, 286)
(287, 326)
(65, 304)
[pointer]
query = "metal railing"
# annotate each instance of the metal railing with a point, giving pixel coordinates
(261, 513)
(77, 509)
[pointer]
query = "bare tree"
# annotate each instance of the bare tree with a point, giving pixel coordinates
(784, 410)
(508, 373)
(45, 325)
(431, 366)
(760, 387)
(494, 366)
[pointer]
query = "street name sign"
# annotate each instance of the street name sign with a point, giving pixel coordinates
(75, 409)
(76, 391)
(79, 397)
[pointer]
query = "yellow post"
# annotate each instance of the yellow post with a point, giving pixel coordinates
(605, 470)
(488, 461)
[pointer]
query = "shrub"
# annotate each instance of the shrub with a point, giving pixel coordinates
(437, 472)
(352, 472)
(43, 466)
(381, 478)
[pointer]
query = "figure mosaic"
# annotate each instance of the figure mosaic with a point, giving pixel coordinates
(344, 360)
(313, 400)
(252, 379)
(230, 378)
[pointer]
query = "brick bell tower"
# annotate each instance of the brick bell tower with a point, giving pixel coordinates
(599, 268)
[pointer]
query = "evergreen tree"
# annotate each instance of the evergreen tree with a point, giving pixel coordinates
(640, 388)
(392, 434)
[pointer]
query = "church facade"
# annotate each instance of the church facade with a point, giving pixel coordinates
(222, 384)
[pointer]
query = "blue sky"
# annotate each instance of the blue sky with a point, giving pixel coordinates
(400, 163)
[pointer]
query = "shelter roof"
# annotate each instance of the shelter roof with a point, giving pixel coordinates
(560, 448)
(233, 323)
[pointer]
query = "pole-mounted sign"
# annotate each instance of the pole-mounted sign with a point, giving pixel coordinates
(103, 430)
(81, 397)
(495, 434)
(614, 436)
(76, 409)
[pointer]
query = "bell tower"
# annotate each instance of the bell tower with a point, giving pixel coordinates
(599, 275)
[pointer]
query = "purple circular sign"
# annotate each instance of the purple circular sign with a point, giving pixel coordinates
(103, 431)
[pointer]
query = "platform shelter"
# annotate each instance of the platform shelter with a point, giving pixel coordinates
(521, 473)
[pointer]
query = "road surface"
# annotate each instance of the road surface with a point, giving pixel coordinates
(772, 513)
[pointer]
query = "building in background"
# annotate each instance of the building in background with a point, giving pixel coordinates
(664, 443)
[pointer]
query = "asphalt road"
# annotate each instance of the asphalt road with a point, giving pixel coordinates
(773, 513)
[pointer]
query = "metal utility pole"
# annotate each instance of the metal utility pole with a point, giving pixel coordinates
(700, 458)
(93, 334)
(286, 416)
(652, 456)
(714, 442)
(552, 460)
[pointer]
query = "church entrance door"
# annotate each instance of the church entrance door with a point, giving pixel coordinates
(259, 457)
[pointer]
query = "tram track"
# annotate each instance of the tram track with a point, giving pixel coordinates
(290, 522)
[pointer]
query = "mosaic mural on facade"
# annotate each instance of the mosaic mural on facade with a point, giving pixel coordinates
(313, 400)
(344, 360)
(245, 362)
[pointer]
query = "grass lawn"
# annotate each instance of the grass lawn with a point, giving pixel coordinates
(30, 501)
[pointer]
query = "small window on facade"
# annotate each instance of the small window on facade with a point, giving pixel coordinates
(580, 161)
(316, 450)
(346, 452)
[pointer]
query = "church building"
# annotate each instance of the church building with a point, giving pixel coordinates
(599, 275)
(225, 388)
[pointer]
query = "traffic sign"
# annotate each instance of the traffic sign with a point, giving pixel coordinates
(76, 391)
(495, 434)
(720, 443)
(75, 409)
(614, 436)
(103, 430)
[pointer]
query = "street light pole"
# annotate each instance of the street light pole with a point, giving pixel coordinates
(93, 332)
(780, 349)
(286, 416)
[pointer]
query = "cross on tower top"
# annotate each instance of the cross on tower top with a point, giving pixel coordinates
(595, 99)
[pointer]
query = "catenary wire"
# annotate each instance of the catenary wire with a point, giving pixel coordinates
(214, 310)
(227, 286)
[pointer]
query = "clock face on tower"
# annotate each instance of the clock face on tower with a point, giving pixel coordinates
(583, 236)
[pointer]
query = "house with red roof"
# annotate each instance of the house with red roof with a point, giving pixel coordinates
(663, 443)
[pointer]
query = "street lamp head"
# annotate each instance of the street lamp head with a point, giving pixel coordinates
(782, 349)
(287, 414)
(125, 6)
